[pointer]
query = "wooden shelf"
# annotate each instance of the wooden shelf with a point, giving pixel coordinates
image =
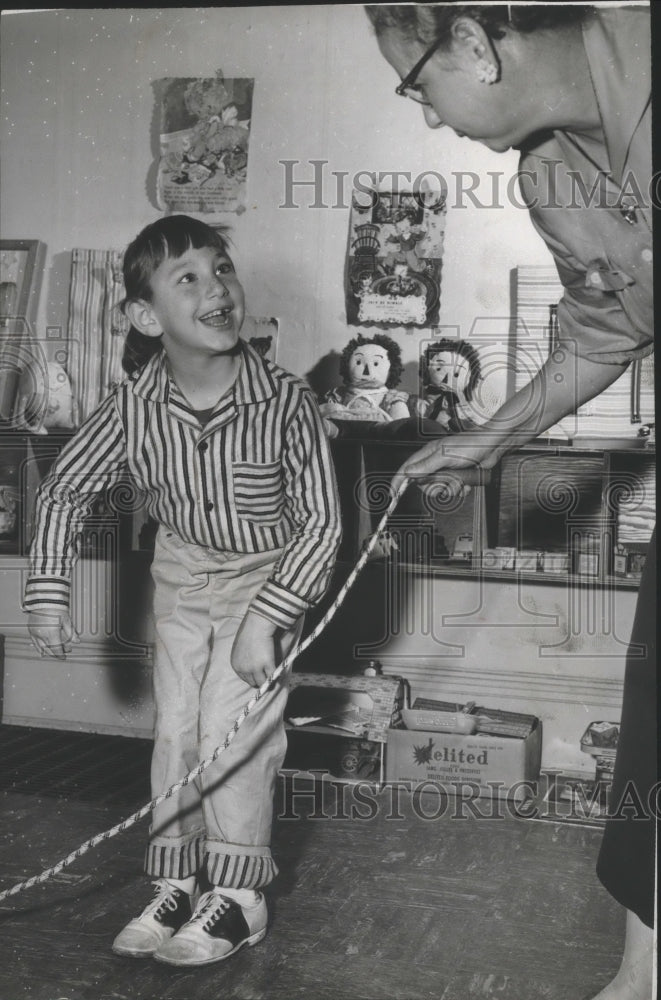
(512, 576)
(517, 507)
(548, 496)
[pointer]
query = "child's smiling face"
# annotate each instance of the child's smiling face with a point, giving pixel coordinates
(197, 301)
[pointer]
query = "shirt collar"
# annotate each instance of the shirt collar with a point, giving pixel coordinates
(255, 381)
(618, 49)
(152, 382)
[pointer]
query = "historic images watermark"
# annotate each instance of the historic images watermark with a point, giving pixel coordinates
(312, 184)
(429, 800)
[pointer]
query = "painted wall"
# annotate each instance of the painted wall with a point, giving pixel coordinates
(79, 140)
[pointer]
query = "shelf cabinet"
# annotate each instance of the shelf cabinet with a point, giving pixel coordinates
(449, 635)
(548, 512)
(13, 494)
(25, 459)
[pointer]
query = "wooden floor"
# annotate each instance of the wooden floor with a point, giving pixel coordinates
(393, 906)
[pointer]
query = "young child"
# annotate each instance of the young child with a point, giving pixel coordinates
(231, 454)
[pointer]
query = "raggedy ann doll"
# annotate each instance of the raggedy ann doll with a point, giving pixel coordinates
(449, 373)
(370, 369)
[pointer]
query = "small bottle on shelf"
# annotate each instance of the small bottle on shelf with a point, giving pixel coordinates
(373, 668)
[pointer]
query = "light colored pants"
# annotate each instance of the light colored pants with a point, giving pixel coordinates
(221, 822)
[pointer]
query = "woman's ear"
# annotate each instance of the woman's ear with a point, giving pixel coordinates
(141, 316)
(470, 37)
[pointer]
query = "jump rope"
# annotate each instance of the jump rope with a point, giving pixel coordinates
(245, 712)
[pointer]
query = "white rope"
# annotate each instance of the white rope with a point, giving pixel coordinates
(247, 709)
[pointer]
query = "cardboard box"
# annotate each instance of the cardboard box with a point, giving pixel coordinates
(452, 760)
(527, 560)
(315, 754)
(554, 562)
(340, 724)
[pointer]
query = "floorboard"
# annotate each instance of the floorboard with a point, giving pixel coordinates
(391, 907)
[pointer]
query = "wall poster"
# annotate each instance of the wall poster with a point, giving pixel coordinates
(394, 258)
(205, 131)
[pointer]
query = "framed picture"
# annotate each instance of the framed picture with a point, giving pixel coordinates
(21, 269)
(261, 332)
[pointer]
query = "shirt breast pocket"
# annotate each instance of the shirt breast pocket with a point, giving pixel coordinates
(258, 494)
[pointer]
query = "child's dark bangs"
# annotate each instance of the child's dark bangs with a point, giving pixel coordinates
(178, 241)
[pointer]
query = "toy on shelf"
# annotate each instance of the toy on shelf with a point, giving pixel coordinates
(449, 372)
(370, 368)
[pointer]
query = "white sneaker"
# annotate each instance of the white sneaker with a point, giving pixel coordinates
(168, 911)
(218, 928)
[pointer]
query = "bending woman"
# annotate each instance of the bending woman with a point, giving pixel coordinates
(569, 87)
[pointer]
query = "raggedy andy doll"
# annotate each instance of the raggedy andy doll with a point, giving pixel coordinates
(449, 373)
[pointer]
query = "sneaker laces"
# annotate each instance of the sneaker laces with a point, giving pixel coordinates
(210, 908)
(164, 898)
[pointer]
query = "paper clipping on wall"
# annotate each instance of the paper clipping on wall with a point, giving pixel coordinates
(205, 131)
(394, 258)
(262, 332)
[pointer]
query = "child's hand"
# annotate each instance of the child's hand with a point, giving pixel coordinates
(52, 633)
(253, 652)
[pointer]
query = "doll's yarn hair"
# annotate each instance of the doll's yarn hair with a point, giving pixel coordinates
(430, 22)
(394, 356)
(171, 236)
(461, 347)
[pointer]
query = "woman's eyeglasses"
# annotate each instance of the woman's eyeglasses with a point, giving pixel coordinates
(408, 87)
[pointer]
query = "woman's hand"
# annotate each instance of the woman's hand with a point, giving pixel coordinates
(52, 633)
(253, 652)
(450, 464)
(564, 383)
(457, 451)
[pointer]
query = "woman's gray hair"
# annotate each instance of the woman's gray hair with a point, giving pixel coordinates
(428, 23)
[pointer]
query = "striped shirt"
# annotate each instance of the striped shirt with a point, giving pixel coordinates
(257, 477)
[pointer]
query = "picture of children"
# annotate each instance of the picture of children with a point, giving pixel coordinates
(204, 144)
